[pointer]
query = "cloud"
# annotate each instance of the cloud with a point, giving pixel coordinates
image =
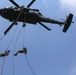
(68, 5)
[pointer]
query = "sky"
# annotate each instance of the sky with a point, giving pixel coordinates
(48, 52)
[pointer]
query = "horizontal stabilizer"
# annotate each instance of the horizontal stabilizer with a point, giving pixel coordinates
(68, 22)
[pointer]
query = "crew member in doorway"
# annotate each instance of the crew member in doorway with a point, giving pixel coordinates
(24, 50)
(6, 53)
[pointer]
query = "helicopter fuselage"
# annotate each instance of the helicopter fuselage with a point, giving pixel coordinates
(27, 15)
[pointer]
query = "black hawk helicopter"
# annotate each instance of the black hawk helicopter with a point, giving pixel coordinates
(28, 15)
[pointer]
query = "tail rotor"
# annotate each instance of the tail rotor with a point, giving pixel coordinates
(68, 22)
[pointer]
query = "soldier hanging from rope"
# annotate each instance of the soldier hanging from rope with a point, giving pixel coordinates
(6, 53)
(24, 50)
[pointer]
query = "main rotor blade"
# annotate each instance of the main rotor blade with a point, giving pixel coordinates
(14, 3)
(30, 3)
(8, 29)
(44, 26)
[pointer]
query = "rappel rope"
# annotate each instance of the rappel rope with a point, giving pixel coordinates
(17, 39)
(23, 36)
(12, 38)
(2, 37)
(31, 69)
(24, 25)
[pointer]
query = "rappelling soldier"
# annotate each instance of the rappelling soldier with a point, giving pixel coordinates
(24, 50)
(6, 53)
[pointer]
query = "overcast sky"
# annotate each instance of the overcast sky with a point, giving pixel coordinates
(49, 52)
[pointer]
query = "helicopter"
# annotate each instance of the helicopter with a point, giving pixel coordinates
(32, 16)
